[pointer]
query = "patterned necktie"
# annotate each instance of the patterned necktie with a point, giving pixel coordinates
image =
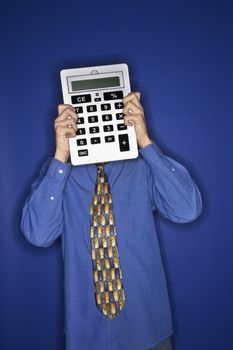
(109, 288)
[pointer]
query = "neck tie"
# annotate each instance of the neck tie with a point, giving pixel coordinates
(109, 289)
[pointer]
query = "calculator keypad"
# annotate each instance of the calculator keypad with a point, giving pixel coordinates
(113, 120)
(106, 117)
(80, 99)
(92, 108)
(79, 109)
(93, 119)
(105, 106)
(81, 131)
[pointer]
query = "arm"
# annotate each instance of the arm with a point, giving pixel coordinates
(173, 192)
(42, 215)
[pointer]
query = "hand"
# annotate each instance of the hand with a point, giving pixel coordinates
(132, 102)
(65, 127)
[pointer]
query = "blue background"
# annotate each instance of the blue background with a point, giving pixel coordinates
(180, 58)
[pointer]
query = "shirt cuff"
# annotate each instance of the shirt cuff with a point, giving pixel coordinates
(58, 170)
(151, 152)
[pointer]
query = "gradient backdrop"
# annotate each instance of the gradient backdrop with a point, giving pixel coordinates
(180, 56)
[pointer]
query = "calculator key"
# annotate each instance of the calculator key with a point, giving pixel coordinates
(81, 142)
(93, 119)
(121, 127)
(120, 116)
(81, 99)
(79, 109)
(106, 117)
(82, 152)
(115, 95)
(123, 142)
(108, 128)
(80, 131)
(94, 129)
(91, 108)
(119, 105)
(110, 138)
(95, 140)
(80, 120)
(105, 106)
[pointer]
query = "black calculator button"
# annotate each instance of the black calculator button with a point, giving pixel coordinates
(121, 127)
(95, 140)
(114, 95)
(93, 119)
(110, 138)
(80, 99)
(79, 109)
(80, 131)
(80, 120)
(123, 142)
(106, 117)
(120, 116)
(94, 129)
(108, 128)
(105, 106)
(82, 152)
(81, 142)
(119, 105)
(91, 108)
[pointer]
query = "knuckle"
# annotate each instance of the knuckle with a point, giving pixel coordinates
(66, 110)
(57, 126)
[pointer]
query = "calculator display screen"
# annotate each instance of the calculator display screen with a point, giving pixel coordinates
(95, 83)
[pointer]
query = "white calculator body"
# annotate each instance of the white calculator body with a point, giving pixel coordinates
(96, 93)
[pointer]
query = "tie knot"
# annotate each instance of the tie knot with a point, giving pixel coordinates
(100, 166)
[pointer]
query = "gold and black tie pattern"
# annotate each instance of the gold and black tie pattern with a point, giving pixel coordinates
(108, 284)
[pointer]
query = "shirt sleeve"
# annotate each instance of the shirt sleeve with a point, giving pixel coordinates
(174, 194)
(42, 214)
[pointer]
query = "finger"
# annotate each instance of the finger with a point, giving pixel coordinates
(132, 96)
(66, 122)
(68, 112)
(62, 107)
(138, 94)
(135, 118)
(65, 131)
(130, 105)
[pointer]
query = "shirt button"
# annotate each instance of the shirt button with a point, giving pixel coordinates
(52, 198)
(60, 171)
(173, 169)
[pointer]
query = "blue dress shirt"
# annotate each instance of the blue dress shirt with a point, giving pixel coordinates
(59, 205)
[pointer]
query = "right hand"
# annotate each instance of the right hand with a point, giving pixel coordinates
(65, 126)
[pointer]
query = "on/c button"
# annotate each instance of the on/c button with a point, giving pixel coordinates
(83, 152)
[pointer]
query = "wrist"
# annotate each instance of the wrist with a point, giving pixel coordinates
(63, 157)
(147, 141)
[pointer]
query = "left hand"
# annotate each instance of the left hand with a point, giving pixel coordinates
(132, 102)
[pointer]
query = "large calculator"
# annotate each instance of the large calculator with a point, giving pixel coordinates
(96, 93)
